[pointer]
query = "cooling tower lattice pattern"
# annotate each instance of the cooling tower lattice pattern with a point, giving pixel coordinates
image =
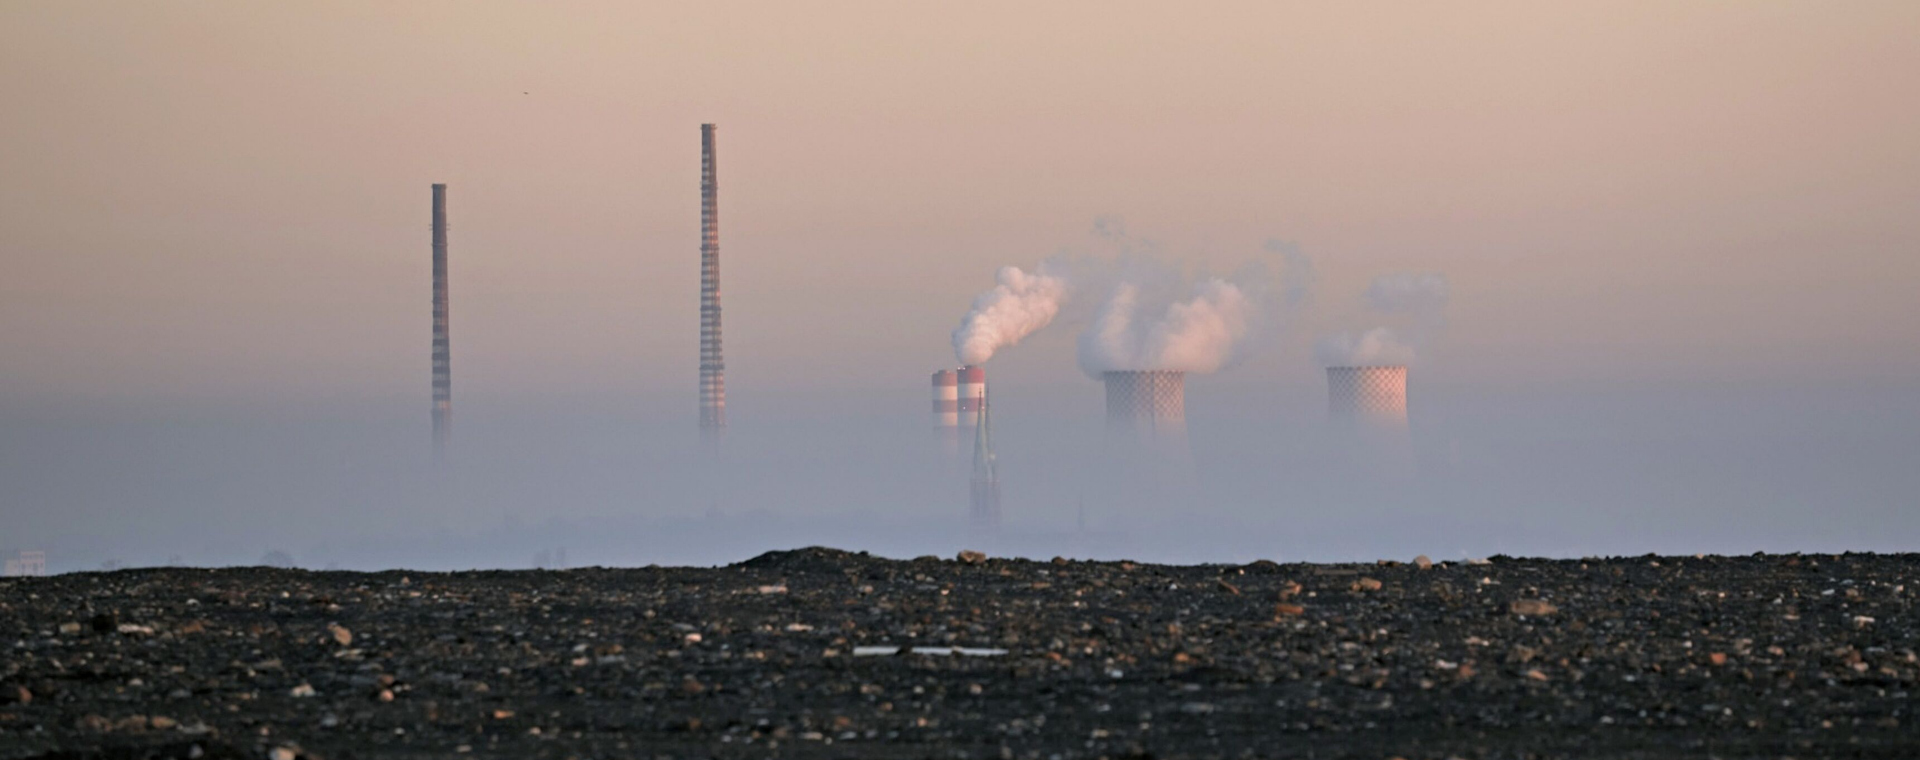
(1149, 399)
(1373, 394)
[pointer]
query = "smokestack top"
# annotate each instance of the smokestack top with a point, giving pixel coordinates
(972, 375)
(946, 377)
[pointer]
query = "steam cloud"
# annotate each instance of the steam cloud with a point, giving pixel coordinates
(1145, 312)
(1375, 347)
(1196, 335)
(1420, 295)
(1012, 310)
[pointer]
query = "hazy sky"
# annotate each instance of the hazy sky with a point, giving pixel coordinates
(229, 200)
(1661, 222)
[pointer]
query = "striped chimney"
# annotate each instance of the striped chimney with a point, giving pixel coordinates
(972, 388)
(946, 398)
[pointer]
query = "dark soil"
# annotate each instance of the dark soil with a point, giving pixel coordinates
(1763, 656)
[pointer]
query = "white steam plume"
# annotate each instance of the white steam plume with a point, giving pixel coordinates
(1408, 292)
(1013, 309)
(1375, 347)
(1200, 334)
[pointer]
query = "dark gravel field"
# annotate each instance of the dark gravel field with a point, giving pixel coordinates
(793, 654)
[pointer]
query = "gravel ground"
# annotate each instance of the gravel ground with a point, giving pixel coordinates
(1647, 657)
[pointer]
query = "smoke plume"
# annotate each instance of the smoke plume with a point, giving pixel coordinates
(1420, 296)
(1200, 334)
(1020, 304)
(1375, 347)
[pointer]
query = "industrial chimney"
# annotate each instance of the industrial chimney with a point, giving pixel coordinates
(442, 353)
(946, 410)
(946, 398)
(1372, 396)
(1149, 401)
(972, 389)
(713, 368)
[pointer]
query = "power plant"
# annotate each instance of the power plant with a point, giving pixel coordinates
(442, 354)
(1149, 404)
(713, 368)
(958, 395)
(1370, 396)
(1146, 401)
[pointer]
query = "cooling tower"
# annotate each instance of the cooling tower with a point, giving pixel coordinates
(1374, 396)
(972, 387)
(946, 398)
(1152, 400)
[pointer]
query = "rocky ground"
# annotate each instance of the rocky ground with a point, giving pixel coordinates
(1763, 656)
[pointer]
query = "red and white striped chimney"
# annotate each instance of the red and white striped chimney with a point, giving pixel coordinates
(946, 398)
(972, 388)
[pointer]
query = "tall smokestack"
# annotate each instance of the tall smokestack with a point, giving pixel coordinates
(442, 355)
(946, 409)
(1373, 397)
(972, 393)
(1149, 401)
(713, 368)
(946, 398)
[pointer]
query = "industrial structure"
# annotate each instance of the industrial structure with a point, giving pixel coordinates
(29, 563)
(957, 396)
(1147, 401)
(442, 354)
(713, 368)
(1372, 397)
(972, 394)
(946, 399)
(984, 504)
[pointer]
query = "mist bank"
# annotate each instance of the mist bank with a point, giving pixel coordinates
(1548, 472)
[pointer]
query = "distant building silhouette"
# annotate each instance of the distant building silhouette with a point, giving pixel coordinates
(29, 563)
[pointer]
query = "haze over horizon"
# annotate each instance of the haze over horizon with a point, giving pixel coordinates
(1677, 241)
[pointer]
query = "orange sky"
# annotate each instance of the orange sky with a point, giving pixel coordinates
(230, 199)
